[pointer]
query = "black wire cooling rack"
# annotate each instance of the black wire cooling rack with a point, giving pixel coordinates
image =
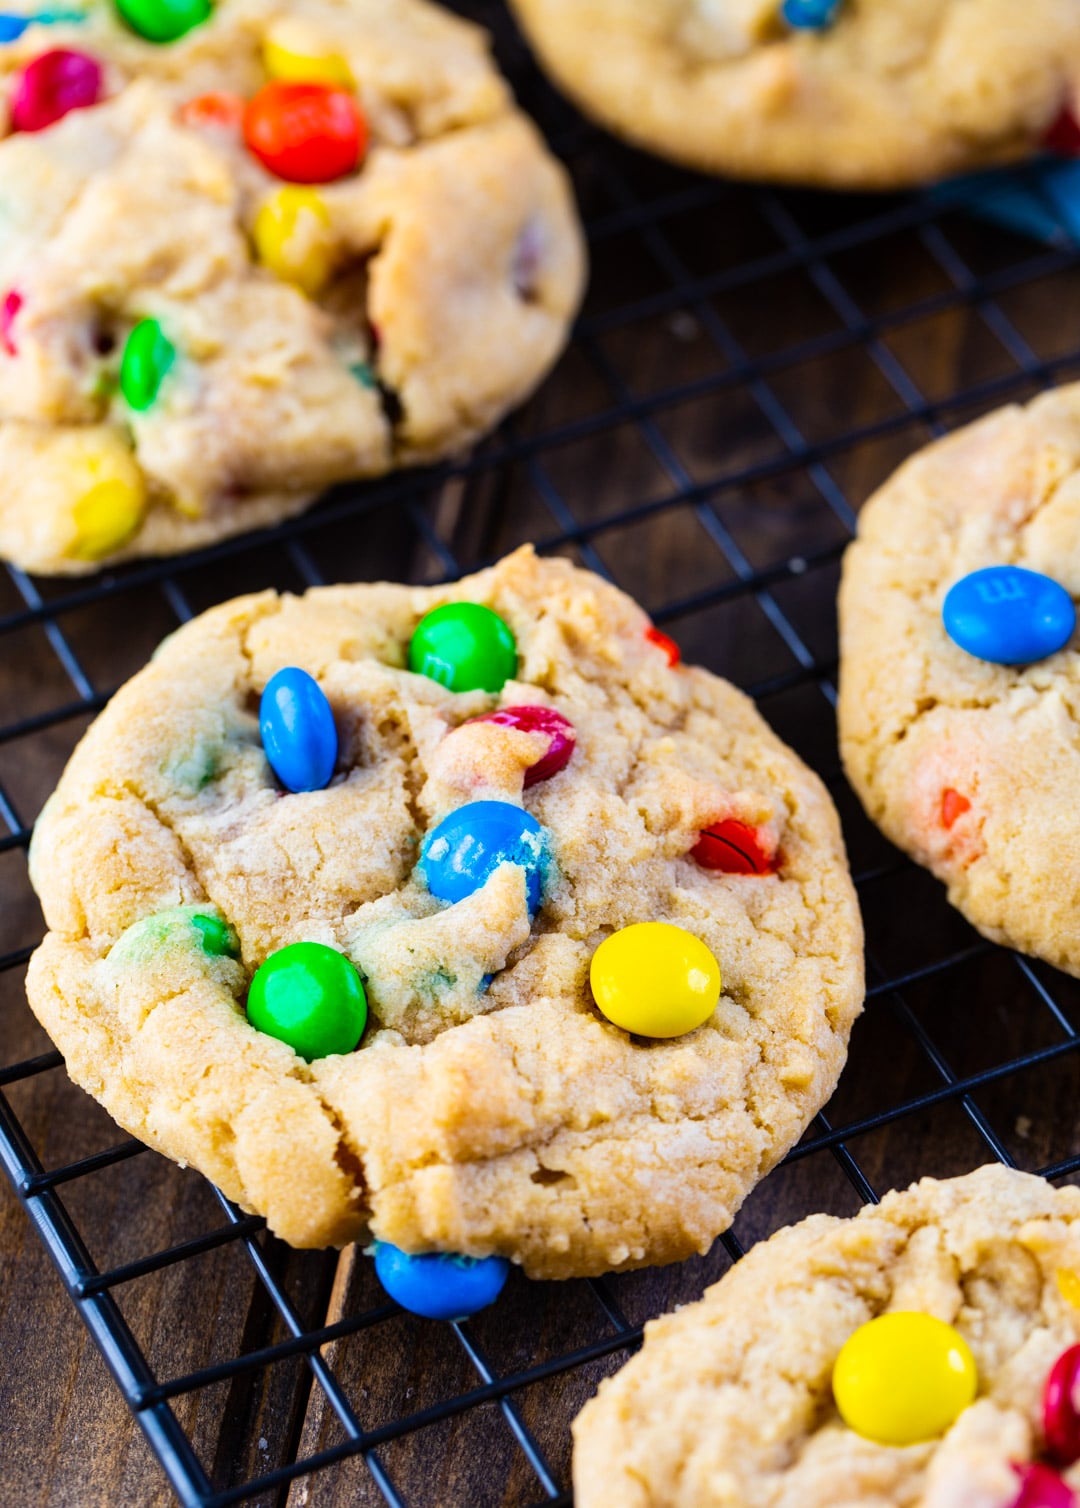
(750, 365)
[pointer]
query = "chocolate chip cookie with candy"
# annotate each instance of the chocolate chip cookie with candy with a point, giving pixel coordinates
(467, 916)
(834, 93)
(253, 248)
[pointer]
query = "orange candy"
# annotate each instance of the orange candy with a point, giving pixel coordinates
(216, 109)
(661, 640)
(305, 133)
(953, 806)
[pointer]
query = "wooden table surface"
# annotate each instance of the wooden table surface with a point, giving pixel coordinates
(68, 1439)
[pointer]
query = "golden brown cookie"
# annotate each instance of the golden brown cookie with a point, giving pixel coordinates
(490, 1106)
(730, 1403)
(969, 765)
(303, 332)
(883, 95)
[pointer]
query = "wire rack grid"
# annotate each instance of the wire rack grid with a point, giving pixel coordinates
(750, 364)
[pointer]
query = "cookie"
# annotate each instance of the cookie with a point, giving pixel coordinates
(730, 1403)
(968, 764)
(837, 93)
(469, 866)
(309, 240)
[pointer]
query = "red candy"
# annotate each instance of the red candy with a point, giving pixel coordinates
(953, 806)
(539, 720)
(305, 133)
(1042, 1488)
(13, 302)
(661, 640)
(1064, 135)
(52, 85)
(1061, 1422)
(733, 847)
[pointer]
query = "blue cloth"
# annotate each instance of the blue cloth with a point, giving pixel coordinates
(1041, 200)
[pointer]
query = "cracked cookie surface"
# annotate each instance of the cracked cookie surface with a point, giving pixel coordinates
(888, 95)
(442, 276)
(477, 1116)
(751, 1363)
(969, 766)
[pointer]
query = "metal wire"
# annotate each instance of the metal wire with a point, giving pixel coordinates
(657, 282)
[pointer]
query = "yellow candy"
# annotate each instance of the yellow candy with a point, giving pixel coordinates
(105, 518)
(904, 1378)
(292, 238)
(1069, 1286)
(655, 980)
(306, 68)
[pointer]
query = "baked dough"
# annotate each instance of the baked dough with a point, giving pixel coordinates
(456, 255)
(729, 1403)
(479, 1114)
(894, 92)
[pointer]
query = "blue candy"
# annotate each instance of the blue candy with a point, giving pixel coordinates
(437, 1285)
(12, 27)
(1009, 616)
(298, 731)
(467, 847)
(810, 15)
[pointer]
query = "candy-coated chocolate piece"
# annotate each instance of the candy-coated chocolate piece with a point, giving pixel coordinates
(810, 15)
(218, 109)
(1068, 1284)
(1041, 1487)
(298, 731)
(54, 84)
(1063, 136)
(311, 997)
(655, 980)
(12, 27)
(1009, 615)
(660, 639)
(305, 132)
(163, 20)
(363, 374)
(218, 938)
(903, 1378)
(558, 729)
(461, 854)
(734, 848)
(438, 1285)
(465, 647)
(148, 355)
(106, 516)
(10, 307)
(292, 238)
(323, 68)
(1061, 1421)
(953, 807)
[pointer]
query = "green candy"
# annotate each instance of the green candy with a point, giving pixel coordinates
(311, 997)
(163, 20)
(148, 355)
(465, 647)
(218, 938)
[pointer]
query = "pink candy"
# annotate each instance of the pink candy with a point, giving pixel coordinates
(52, 85)
(1042, 1488)
(1061, 1422)
(11, 305)
(539, 720)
